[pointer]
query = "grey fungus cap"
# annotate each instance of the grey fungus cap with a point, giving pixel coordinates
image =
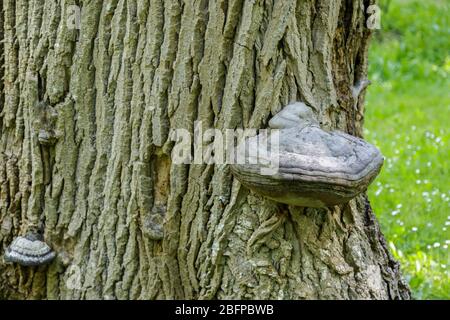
(29, 251)
(316, 168)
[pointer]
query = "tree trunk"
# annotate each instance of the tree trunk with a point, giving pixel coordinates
(119, 84)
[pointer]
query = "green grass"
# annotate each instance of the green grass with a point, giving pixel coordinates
(408, 118)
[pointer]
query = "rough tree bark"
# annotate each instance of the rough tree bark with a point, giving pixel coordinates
(132, 72)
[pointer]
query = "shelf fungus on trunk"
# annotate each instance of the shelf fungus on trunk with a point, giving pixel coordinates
(315, 168)
(29, 250)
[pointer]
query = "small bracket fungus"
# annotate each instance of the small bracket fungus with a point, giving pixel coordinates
(29, 250)
(316, 168)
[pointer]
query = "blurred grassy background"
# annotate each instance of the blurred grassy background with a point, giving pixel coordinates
(408, 118)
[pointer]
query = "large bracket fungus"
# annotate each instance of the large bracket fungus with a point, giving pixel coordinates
(316, 168)
(29, 250)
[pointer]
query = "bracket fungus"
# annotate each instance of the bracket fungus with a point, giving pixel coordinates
(316, 168)
(29, 250)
